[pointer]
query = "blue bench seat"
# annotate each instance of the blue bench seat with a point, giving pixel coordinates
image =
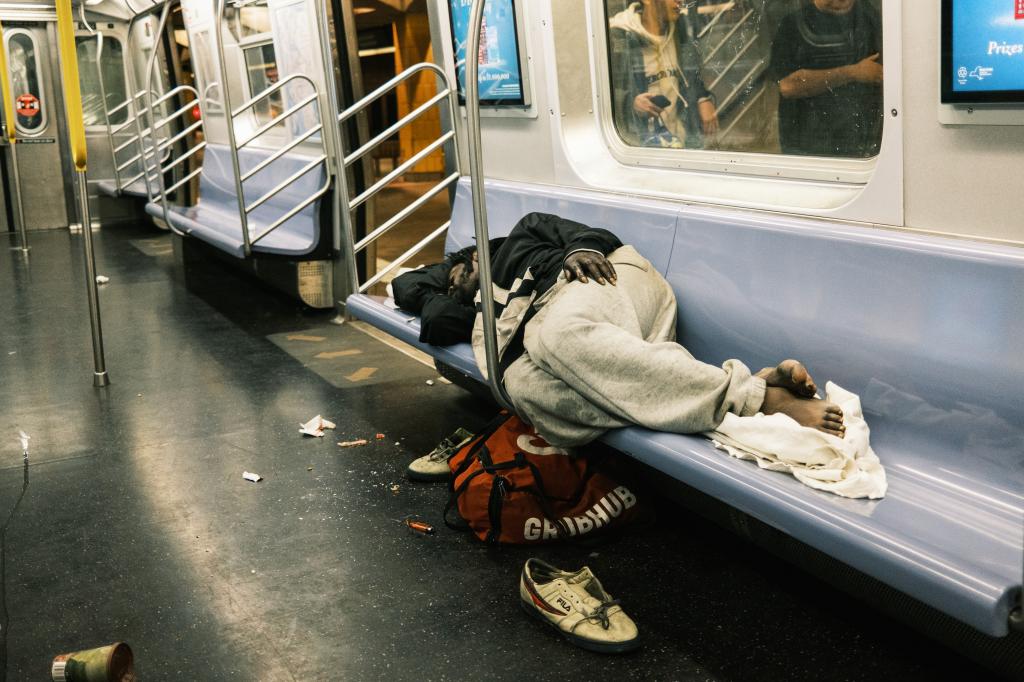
(135, 189)
(215, 218)
(925, 329)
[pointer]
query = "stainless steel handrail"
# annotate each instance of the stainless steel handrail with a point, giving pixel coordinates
(390, 131)
(445, 93)
(225, 95)
(166, 164)
(732, 31)
(707, 27)
(231, 113)
(397, 173)
(281, 152)
(406, 212)
(732, 62)
(483, 247)
(280, 118)
(751, 101)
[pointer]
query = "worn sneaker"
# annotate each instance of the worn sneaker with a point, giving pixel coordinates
(577, 606)
(434, 467)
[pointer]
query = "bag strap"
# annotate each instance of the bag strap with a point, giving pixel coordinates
(454, 498)
(479, 444)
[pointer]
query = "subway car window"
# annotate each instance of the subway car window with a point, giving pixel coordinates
(261, 69)
(795, 77)
(105, 78)
(25, 83)
(253, 20)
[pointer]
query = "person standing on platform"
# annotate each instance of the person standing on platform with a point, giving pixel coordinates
(826, 58)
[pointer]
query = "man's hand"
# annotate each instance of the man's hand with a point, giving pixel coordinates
(708, 117)
(642, 104)
(867, 70)
(582, 264)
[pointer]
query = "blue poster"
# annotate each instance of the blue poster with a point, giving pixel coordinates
(500, 78)
(988, 45)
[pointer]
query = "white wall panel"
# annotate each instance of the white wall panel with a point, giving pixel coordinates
(964, 180)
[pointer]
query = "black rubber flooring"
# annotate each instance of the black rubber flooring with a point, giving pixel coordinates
(132, 521)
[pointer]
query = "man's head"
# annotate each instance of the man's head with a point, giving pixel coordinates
(463, 278)
(834, 6)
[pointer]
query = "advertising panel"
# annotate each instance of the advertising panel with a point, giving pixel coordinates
(500, 78)
(983, 51)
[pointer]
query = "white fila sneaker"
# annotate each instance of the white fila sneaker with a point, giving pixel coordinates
(577, 606)
(434, 466)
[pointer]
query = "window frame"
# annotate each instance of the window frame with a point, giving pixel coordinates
(44, 107)
(795, 167)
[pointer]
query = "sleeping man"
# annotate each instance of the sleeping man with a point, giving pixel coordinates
(586, 336)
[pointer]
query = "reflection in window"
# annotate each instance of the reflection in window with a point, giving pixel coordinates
(797, 77)
(25, 83)
(261, 67)
(113, 85)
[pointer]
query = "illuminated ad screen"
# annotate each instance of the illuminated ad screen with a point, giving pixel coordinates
(982, 51)
(500, 79)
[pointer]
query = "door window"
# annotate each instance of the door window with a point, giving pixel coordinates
(106, 78)
(26, 83)
(261, 69)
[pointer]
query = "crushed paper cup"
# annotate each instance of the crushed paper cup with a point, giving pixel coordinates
(315, 427)
(249, 476)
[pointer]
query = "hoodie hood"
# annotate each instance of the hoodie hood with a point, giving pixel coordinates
(631, 21)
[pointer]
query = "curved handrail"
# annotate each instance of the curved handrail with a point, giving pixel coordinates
(495, 374)
(389, 86)
(225, 94)
(231, 113)
(353, 247)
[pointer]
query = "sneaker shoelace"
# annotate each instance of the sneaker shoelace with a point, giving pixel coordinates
(600, 613)
(442, 452)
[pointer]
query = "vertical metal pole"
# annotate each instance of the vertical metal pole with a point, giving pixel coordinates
(12, 128)
(362, 131)
(22, 229)
(147, 92)
(76, 129)
(344, 229)
(476, 171)
(217, 30)
(100, 377)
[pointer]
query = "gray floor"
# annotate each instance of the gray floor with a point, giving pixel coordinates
(136, 524)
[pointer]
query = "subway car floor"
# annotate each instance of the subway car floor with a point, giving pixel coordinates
(132, 522)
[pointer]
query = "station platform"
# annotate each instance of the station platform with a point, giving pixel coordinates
(136, 525)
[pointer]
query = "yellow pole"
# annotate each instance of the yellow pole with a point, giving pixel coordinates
(12, 137)
(72, 91)
(76, 128)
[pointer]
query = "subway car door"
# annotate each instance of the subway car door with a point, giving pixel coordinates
(43, 163)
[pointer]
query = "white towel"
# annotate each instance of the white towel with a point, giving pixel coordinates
(844, 466)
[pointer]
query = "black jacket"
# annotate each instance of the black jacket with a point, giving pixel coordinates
(525, 268)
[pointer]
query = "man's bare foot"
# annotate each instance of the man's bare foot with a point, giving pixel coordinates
(817, 414)
(792, 376)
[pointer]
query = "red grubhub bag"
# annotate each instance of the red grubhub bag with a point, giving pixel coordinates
(511, 486)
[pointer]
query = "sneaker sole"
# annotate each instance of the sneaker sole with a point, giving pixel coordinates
(583, 643)
(427, 478)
